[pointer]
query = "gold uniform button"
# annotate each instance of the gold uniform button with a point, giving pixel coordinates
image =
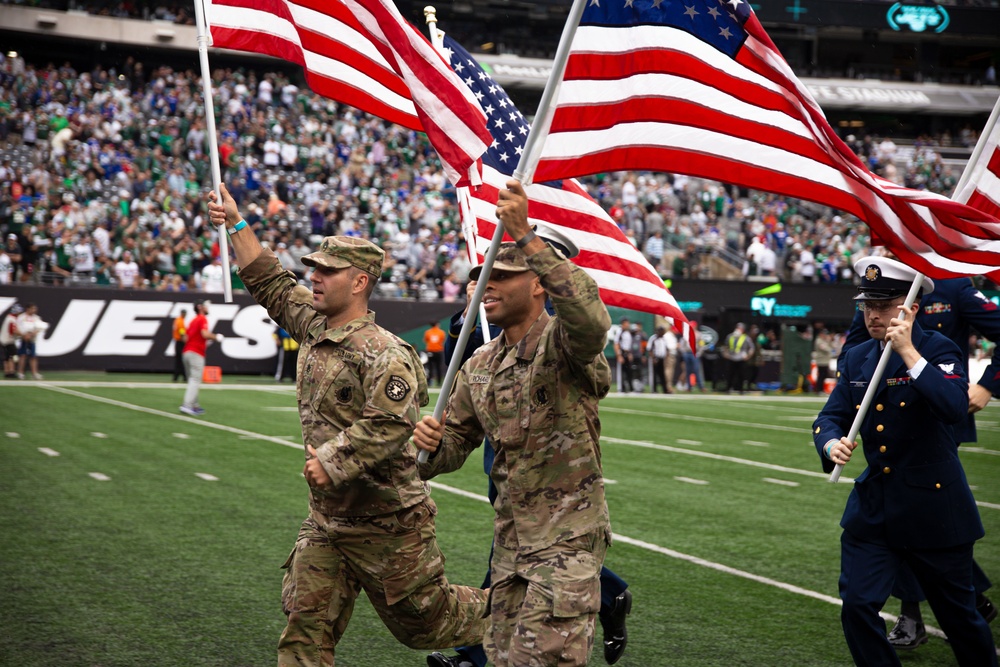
(937, 486)
(817, 429)
(939, 324)
(882, 449)
(886, 470)
(880, 407)
(880, 428)
(857, 407)
(902, 404)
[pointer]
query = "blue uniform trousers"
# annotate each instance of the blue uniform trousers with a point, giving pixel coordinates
(868, 569)
(907, 588)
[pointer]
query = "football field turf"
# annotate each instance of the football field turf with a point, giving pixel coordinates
(131, 534)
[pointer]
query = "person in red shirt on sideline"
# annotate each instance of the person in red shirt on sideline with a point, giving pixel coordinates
(198, 335)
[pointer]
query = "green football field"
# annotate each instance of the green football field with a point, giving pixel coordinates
(131, 534)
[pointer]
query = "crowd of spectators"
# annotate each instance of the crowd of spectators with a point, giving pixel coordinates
(103, 175)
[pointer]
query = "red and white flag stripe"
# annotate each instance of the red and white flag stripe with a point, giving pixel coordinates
(982, 190)
(363, 53)
(662, 95)
(623, 275)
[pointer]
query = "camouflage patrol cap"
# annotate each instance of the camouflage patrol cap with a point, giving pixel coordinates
(340, 252)
(509, 258)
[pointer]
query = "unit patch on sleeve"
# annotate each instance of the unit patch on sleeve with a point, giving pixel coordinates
(396, 388)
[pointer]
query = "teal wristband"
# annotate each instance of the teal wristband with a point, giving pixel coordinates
(242, 224)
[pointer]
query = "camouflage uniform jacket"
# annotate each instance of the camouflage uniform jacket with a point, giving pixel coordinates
(360, 389)
(537, 403)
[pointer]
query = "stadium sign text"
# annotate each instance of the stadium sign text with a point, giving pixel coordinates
(918, 18)
(99, 328)
(769, 307)
(892, 96)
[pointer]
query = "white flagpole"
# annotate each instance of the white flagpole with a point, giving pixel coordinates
(213, 138)
(525, 164)
(977, 152)
(430, 14)
(877, 376)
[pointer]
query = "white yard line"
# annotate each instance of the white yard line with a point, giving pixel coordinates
(475, 496)
(695, 560)
(690, 480)
(48, 452)
(705, 420)
(719, 457)
(170, 415)
(99, 476)
(780, 482)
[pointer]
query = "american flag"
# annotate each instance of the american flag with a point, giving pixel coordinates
(365, 54)
(982, 189)
(697, 87)
(623, 275)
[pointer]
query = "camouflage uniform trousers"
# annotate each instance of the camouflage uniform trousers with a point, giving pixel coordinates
(395, 559)
(543, 605)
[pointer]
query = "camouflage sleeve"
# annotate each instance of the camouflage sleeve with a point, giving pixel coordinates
(287, 303)
(391, 410)
(462, 431)
(583, 317)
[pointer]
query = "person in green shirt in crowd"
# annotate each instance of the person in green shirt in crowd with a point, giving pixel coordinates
(184, 258)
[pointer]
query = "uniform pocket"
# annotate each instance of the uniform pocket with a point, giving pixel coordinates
(414, 574)
(577, 598)
(936, 476)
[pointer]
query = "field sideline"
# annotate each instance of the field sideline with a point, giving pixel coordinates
(135, 535)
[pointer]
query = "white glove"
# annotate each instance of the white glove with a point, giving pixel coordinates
(219, 338)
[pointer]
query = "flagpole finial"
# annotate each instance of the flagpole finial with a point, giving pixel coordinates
(430, 14)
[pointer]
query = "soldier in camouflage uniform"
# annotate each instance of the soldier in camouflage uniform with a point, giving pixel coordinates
(533, 392)
(371, 521)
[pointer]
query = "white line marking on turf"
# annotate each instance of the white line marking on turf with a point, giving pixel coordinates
(475, 496)
(980, 450)
(205, 476)
(681, 441)
(782, 482)
(181, 436)
(99, 476)
(720, 457)
(97, 434)
(282, 408)
(704, 420)
(12, 434)
(296, 445)
(695, 560)
(48, 452)
(610, 481)
(756, 443)
(257, 437)
(689, 480)
(170, 415)
(992, 506)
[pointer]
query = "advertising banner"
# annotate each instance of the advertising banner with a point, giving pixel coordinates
(124, 330)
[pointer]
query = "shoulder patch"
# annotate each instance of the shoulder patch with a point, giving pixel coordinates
(396, 388)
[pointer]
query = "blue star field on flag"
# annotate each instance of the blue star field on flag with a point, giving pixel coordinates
(716, 22)
(508, 127)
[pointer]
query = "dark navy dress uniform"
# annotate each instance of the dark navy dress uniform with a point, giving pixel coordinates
(912, 503)
(953, 309)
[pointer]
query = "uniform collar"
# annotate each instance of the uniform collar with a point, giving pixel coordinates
(527, 346)
(319, 332)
